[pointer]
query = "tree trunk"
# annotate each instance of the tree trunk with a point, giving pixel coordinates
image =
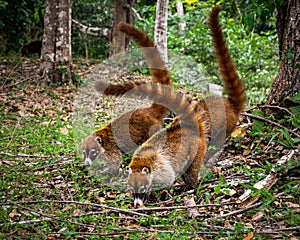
(180, 11)
(287, 81)
(122, 13)
(56, 56)
(161, 25)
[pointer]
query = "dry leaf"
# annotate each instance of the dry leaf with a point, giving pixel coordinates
(64, 131)
(295, 206)
(258, 216)
(217, 170)
(14, 213)
(193, 211)
(249, 236)
(239, 132)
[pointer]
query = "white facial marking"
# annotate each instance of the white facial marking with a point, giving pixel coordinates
(138, 202)
(88, 162)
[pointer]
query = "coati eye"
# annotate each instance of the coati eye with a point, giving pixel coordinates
(128, 169)
(145, 170)
(93, 154)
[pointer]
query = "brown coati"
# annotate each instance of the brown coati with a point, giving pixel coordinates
(32, 48)
(126, 132)
(35, 46)
(163, 157)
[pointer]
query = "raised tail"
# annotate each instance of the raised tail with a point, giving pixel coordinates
(233, 84)
(156, 64)
(160, 94)
(116, 89)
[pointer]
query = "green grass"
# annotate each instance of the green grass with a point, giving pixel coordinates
(45, 190)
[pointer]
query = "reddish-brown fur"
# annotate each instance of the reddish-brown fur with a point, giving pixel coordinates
(111, 140)
(164, 157)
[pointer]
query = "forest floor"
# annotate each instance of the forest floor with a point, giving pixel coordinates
(251, 192)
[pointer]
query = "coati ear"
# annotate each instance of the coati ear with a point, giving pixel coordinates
(145, 170)
(128, 170)
(98, 139)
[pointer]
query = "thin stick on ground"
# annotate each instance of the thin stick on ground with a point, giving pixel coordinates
(78, 203)
(271, 122)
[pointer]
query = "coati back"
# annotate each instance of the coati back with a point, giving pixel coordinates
(176, 151)
(108, 142)
(163, 157)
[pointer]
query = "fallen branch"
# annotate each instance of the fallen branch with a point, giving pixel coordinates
(237, 211)
(94, 31)
(30, 221)
(24, 155)
(276, 107)
(268, 181)
(271, 122)
(47, 218)
(78, 203)
(17, 83)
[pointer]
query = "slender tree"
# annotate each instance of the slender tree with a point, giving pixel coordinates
(287, 81)
(161, 25)
(56, 56)
(180, 11)
(122, 13)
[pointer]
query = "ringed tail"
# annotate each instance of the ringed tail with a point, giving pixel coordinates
(233, 84)
(156, 64)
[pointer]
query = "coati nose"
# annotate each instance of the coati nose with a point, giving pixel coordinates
(138, 203)
(87, 164)
(138, 199)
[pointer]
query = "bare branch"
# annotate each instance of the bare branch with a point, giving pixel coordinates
(78, 203)
(271, 122)
(94, 31)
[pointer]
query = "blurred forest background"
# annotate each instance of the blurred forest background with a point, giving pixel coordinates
(46, 192)
(249, 27)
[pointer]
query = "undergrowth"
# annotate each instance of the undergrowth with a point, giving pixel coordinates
(47, 193)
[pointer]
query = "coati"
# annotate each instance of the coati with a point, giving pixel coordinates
(32, 48)
(35, 46)
(159, 160)
(109, 142)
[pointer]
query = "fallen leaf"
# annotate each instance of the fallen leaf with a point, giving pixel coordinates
(239, 132)
(193, 211)
(258, 216)
(249, 236)
(227, 191)
(217, 170)
(293, 206)
(14, 213)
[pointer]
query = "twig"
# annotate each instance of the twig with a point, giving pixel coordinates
(277, 230)
(17, 83)
(244, 209)
(49, 218)
(30, 221)
(24, 155)
(182, 207)
(271, 122)
(57, 163)
(9, 75)
(237, 211)
(67, 187)
(277, 107)
(78, 203)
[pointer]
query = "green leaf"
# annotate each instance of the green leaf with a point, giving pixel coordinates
(257, 125)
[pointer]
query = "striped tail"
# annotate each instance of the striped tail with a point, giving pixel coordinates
(156, 64)
(233, 84)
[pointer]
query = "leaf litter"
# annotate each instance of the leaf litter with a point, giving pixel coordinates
(69, 201)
